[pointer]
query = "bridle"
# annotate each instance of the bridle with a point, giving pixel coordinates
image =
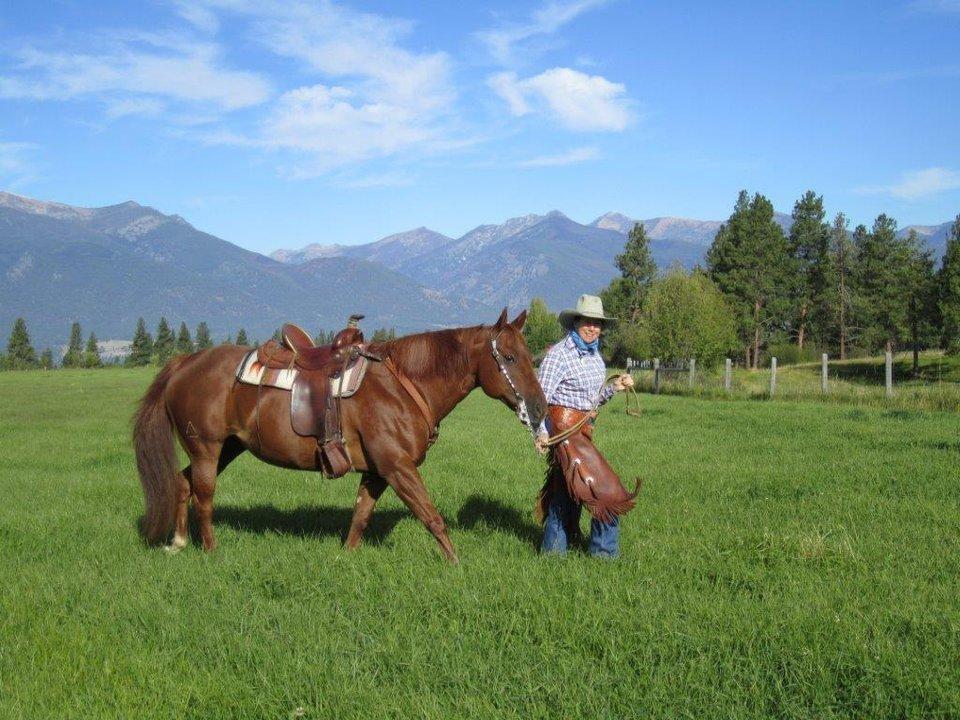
(522, 413)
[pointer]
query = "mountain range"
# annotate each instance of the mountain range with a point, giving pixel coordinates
(105, 267)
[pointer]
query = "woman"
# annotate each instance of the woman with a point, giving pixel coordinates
(572, 375)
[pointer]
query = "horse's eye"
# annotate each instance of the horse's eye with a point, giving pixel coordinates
(509, 358)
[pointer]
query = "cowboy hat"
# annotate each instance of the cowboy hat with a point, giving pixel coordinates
(588, 306)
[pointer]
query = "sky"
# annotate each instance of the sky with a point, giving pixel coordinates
(278, 124)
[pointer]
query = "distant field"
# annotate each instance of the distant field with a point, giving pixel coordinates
(789, 560)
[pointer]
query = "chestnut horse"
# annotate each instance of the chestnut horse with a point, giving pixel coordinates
(385, 432)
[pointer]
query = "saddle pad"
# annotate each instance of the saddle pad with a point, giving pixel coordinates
(251, 372)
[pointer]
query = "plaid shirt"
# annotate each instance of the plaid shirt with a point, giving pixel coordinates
(573, 377)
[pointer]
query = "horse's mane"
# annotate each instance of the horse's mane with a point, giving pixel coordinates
(437, 354)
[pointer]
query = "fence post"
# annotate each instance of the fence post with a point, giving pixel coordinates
(823, 373)
(656, 376)
(693, 371)
(727, 374)
(773, 376)
(889, 373)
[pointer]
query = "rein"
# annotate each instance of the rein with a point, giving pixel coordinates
(592, 413)
(417, 397)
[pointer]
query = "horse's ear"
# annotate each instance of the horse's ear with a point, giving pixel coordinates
(519, 320)
(501, 321)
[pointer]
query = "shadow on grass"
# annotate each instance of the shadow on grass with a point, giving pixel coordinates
(494, 514)
(305, 521)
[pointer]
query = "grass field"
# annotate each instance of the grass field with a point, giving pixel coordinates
(789, 560)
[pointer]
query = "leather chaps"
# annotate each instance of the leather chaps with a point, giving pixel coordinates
(577, 467)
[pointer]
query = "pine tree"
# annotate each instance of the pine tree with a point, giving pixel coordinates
(844, 257)
(203, 340)
(320, 338)
(750, 263)
(637, 269)
(921, 288)
(20, 353)
(884, 279)
(242, 337)
(74, 355)
(91, 354)
(949, 292)
(165, 344)
(184, 343)
(809, 244)
(141, 350)
(46, 359)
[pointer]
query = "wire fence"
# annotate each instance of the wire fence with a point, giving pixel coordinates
(891, 381)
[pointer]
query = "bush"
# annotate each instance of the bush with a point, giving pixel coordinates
(684, 316)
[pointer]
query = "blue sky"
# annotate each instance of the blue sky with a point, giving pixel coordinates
(276, 124)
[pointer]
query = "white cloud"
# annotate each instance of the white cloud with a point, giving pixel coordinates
(917, 184)
(16, 167)
(574, 99)
(373, 96)
(132, 69)
(570, 157)
(549, 18)
(936, 6)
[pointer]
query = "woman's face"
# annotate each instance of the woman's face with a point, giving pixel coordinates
(588, 329)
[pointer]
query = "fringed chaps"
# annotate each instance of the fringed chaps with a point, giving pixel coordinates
(577, 467)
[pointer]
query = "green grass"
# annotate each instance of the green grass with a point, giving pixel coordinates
(796, 560)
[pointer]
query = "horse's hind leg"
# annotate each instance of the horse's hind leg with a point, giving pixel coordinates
(370, 490)
(202, 475)
(408, 484)
(181, 534)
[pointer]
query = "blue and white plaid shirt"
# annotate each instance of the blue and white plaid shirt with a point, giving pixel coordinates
(573, 377)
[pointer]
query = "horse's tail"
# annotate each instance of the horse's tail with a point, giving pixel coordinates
(157, 456)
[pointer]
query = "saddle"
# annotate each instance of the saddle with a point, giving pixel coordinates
(314, 408)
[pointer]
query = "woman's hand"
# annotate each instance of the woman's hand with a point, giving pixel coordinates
(623, 382)
(541, 443)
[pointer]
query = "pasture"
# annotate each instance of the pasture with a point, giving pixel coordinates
(786, 559)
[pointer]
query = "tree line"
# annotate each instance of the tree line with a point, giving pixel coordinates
(818, 288)
(145, 349)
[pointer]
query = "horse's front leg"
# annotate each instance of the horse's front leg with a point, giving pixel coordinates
(407, 483)
(370, 490)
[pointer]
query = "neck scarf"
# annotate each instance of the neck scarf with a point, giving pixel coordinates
(584, 346)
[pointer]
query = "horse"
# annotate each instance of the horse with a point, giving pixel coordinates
(197, 399)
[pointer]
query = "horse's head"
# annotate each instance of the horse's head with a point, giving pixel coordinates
(506, 371)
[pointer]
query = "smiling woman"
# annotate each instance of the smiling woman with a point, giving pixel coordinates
(572, 375)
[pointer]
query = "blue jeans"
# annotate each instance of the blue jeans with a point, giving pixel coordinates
(604, 537)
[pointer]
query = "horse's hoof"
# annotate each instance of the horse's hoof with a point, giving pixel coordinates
(172, 549)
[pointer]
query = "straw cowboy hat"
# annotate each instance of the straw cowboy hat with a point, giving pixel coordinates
(588, 306)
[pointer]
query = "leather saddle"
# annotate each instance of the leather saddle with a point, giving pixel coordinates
(314, 410)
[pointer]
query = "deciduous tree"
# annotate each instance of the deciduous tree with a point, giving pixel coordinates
(541, 330)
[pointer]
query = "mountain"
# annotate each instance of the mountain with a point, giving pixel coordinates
(934, 235)
(674, 229)
(548, 256)
(105, 267)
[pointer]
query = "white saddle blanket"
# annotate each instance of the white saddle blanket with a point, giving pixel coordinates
(250, 372)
